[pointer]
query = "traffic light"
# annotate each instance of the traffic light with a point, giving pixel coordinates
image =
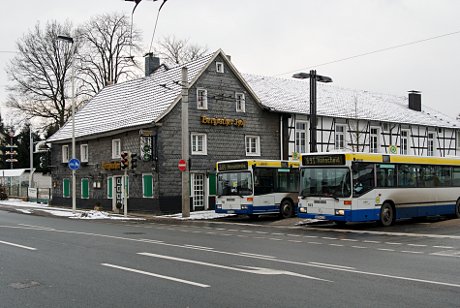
(124, 160)
(132, 161)
(43, 161)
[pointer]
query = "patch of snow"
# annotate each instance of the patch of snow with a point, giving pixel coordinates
(198, 215)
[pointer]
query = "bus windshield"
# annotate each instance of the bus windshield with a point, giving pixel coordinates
(326, 182)
(234, 184)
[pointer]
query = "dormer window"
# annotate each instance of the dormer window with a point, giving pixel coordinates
(240, 102)
(220, 67)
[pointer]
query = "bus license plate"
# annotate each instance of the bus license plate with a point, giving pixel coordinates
(230, 212)
(320, 217)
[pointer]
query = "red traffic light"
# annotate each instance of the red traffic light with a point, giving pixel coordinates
(124, 160)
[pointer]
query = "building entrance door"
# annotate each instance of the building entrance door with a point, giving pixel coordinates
(198, 190)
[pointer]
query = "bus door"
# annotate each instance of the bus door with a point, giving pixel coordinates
(264, 189)
(365, 206)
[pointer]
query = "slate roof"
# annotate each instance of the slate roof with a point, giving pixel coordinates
(146, 100)
(133, 103)
(292, 96)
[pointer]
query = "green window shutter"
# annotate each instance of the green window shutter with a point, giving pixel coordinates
(212, 184)
(109, 187)
(66, 188)
(84, 188)
(147, 180)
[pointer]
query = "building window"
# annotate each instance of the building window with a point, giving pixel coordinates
(300, 137)
(374, 140)
(240, 102)
(199, 146)
(109, 187)
(84, 153)
(458, 141)
(85, 188)
(404, 148)
(340, 137)
(252, 145)
(202, 99)
(116, 148)
(65, 154)
(219, 67)
(147, 186)
(430, 145)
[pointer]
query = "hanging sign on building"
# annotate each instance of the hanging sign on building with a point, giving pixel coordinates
(215, 121)
(114, 165)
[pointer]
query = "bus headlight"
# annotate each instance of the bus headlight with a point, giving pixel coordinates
(302, 209)
(244, 207)
(339, 212)
(219, 206)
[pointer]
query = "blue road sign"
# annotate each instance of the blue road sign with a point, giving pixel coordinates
(74, 164)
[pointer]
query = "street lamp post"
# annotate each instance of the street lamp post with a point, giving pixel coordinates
(313, 114)
(70, 40)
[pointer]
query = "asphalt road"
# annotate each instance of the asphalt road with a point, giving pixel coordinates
(60, 262)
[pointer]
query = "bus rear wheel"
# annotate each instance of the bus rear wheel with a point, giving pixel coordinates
(387, 215)
(286, 209)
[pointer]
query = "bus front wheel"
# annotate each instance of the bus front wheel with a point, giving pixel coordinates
(457, 209)
(387, 215)
(286, 209)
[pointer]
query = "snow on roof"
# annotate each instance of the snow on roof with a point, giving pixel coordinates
(130, 104)
(292, 96)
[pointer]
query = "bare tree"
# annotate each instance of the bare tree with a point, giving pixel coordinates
(179, 51)
(105, 55)
(40, 73)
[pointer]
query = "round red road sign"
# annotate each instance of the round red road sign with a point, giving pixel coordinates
(182, 165)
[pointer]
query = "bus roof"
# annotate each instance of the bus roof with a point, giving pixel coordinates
(383, 158)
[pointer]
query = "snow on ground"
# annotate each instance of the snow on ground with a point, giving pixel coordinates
(30, 207)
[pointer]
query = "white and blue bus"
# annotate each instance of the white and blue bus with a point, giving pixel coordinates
(254, 187)
(361, 187)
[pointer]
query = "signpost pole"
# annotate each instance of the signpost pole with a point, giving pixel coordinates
(185, 145)
(125, 194)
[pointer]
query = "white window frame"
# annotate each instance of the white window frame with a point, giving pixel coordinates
(65, 153)
(240, 102)
(251, 142)
(374, 147)
(301, 134)
(430, 144)
(220, 67)
(194, 142)
(340, 137)
(84, 153)
(116, 148)
(201, 99)
(404, 144)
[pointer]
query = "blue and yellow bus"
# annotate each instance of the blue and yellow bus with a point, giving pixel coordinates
(361, 187)
(254, 187)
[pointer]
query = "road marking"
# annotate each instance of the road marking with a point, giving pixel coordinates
(156, 275)
(310, 236)
(315, 243)
(359, 247)
(375, 242)
(385, 249)
(277, 233)
(256, 255)
(242, 268)
(413, 252)
(348, 240)
(393, 243)
(444, 247)
(331, 265)
(295, 235)
(246, 231)
(336, 245)
(448, 253)
(328, 238)
(416, 245)
(200, 247)
(275, 239)
(17, 245)
(295, 241)
(261, 232)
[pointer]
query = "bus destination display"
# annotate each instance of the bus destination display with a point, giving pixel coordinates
(241, 165)
(323, 160)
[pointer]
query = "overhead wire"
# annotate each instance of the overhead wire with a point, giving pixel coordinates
(372, 52)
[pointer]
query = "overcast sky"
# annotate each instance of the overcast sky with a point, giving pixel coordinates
(278, 38)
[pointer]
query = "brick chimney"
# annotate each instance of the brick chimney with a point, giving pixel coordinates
(415, 100)
(151, 63)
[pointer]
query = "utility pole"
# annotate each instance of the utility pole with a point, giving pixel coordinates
(185, 145)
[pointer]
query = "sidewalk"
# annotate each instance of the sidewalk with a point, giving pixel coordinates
(36, 208)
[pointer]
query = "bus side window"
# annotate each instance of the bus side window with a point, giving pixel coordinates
(456, 176)
(363, 178)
